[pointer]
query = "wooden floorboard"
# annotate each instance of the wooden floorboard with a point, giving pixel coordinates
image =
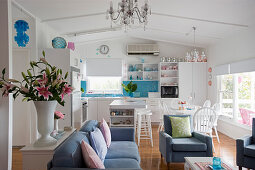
(150, 156)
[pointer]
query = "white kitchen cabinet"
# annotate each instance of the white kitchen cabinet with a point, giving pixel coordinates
(153, 105)
(74, 59)
(104, 109)
(192, 82)
(199, 83)
(92, 109)
(185, 81)
(98, 108)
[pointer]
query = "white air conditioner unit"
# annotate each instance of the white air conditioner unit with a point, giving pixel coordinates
(142, 49)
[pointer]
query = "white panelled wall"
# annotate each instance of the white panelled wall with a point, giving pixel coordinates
(238, 47)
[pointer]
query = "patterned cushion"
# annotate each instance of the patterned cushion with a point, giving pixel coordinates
(180, 127)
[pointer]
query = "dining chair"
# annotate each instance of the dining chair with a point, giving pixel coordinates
(207, 103)
(216, 108)
(164, 110)
(204, 120)
(161, 112)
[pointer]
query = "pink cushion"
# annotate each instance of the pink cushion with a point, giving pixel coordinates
(90, 157)
(106, 132)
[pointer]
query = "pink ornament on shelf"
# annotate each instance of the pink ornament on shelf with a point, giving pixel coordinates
(71, 46)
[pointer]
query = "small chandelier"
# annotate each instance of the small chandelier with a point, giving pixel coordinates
(194, 56)
(127, 12)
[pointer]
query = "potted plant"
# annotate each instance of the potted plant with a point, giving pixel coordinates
(130, 88)
(46, 86)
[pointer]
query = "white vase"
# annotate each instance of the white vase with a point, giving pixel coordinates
(45, 122)
(56, 125)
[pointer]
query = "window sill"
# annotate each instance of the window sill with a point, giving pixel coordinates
(230, 120)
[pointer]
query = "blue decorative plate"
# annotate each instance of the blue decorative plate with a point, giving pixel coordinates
(59, 42)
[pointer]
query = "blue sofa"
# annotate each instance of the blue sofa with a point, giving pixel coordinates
(122, 153)
(175, 149)
(245, 150)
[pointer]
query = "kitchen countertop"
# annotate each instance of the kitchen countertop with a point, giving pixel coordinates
(127, 104)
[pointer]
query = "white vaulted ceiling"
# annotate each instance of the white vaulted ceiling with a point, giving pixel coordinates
(171, 20)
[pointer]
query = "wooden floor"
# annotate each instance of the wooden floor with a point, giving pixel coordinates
(150, 156)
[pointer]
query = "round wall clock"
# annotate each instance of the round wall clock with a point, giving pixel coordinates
(104, 49)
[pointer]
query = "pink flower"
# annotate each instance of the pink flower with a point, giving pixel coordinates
(58, 115)
(43, 91)
(6, 88)
(44, 80)
(67, 89)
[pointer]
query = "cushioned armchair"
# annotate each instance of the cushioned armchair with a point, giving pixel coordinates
(175, 149)
(245, 150)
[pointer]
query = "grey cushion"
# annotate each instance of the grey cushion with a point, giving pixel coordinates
(89, 126)
(250, 150)
(123, 149)
(121, 163)
(188, 144)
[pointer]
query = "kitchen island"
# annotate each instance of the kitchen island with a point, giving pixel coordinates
(122, 112)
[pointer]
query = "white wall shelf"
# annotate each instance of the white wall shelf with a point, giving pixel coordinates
(142, 72)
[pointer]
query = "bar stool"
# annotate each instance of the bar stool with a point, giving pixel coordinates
(137, 110)
(144, 130)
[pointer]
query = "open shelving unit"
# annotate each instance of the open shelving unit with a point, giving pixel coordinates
(169, 74)
(143, 72)
(121, 117)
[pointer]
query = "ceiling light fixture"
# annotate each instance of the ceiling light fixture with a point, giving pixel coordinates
(194, 56)
(127, 12)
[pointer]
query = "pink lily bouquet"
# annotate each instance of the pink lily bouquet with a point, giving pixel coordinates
(46, 85)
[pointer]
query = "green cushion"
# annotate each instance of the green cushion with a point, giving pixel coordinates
(180, 127)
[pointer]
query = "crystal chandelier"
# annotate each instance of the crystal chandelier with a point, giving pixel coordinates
(127, 12)
(194, 56)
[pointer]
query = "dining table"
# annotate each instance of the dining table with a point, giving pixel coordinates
(185, 111)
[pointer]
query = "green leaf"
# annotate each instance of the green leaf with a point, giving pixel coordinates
(60, 71)
(24, 76)
(82, 90)
(66, 75)
(31, 64)
(43, 53)
(29, 73)
(25, 99)
(47, 71)
(3, 72)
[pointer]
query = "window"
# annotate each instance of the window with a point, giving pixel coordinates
(104, 85)
(237, 96)
(226, 95)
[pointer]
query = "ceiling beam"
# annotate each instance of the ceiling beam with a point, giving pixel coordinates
(153, 13)
(201, 20)
(72, 17)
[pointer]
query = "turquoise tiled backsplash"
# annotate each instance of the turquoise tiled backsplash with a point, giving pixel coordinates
(143, 87)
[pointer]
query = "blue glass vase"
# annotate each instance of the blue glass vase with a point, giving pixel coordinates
(216, 163)
(59, 42)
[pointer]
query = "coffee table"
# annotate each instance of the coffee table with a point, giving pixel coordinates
(190, 162)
